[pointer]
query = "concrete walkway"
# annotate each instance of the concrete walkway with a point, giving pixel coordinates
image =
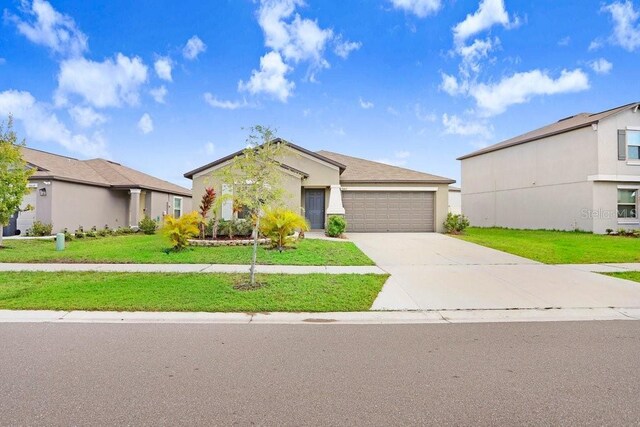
(436, 272)
(368, 317)
(194, 268)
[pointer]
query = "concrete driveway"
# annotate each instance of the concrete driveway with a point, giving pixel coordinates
(432, 271)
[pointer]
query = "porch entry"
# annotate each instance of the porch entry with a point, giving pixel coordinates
(314, 207)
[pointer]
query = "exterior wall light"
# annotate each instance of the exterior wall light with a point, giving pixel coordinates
(43, 192)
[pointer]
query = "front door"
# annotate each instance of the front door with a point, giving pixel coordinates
(314, 207)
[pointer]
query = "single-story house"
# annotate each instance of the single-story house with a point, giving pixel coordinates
(372, 196)
(581, 172)
(69, 193)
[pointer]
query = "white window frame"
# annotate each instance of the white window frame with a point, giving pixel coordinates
(174, 206)
(631, 161)
(635, 220)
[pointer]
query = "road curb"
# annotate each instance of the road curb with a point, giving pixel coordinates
(364, 318)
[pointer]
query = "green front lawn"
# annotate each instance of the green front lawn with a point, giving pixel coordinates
(628, 275)
(186, 292)
(557, 247)
(142, 249)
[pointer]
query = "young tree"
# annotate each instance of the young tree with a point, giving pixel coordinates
(14, 174)
(206, 203)
(255, 177)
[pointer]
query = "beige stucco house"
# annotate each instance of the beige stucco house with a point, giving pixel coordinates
(373, 197)
(582, 172)
(69, 193)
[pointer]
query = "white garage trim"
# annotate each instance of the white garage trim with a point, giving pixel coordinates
(434, 189)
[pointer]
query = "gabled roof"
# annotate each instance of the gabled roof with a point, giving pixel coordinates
(367, 171)
(99, 172)
(190, 174)
(568, 124)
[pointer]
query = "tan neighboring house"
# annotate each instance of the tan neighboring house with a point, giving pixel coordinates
(582, 172)
(69, 193)
(373, 197)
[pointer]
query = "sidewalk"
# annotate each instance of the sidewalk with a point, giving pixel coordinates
(371, 317)
(604, 268)
(193, 268)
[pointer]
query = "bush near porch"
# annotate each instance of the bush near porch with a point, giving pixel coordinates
(154, 249)
(557, 247)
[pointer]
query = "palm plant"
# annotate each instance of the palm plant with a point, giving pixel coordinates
(280, 224)
(180, 230)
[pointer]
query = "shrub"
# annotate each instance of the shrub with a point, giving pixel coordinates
(67, 236)
(91, 233)
(147, 225)
(180, 230)
(242, 227)
(208, 229)
(455, 224)
(79, 233)
(39, 229)
(336, 226)
(609, 230)
(234, 227)
(104, 232)
(280, 224)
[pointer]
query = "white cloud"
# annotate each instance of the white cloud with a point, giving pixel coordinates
(225, 105)
(270, 79)
(565, 41)
(145, 124)
(601, 66)
(102, 84)
(451, 86)
(420, 8)
(474, 53)
(163, 68)
(365, 104)
(344, 48)
(626, 33)
(298, 39)
(193, 48)
(399, 158)
(86, 117)
(519, 88)
(393, 111)
(489, 13)
(40, 124)
(158, 94)
(595, 44)
(209, 148)
(50, 28)
(453, 125)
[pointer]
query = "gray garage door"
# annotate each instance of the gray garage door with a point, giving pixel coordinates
(382, 211)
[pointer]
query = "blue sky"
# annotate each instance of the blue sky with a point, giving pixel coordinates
(409, 82)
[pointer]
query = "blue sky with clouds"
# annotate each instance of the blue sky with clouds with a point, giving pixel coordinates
(414, 83)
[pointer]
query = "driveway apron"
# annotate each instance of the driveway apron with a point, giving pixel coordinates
(431, 271)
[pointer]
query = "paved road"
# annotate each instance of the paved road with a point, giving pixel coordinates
(573, 373)
(431, 271)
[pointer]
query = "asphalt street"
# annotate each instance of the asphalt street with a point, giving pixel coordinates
(570, 373)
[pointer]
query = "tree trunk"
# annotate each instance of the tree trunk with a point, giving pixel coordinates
(252, 271)
(1, 235)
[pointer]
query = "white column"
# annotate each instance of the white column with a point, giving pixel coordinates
(134, 207)
(335, 201)
(227, 205)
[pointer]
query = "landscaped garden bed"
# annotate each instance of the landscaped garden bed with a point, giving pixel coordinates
(155, 249)
(557, 247)
(187, 292)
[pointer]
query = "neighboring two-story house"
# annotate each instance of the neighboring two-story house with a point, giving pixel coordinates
(582, 172)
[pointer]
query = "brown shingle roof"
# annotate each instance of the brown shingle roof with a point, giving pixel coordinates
(98, 172)
(365, 171)
(561, 126)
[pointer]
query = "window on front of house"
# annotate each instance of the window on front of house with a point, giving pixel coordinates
(627, 203)
(177, 207)
(633, 145)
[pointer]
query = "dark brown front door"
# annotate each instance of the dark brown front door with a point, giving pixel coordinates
(314, 207)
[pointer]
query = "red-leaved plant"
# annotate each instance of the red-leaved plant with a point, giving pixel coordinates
(206, 203)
